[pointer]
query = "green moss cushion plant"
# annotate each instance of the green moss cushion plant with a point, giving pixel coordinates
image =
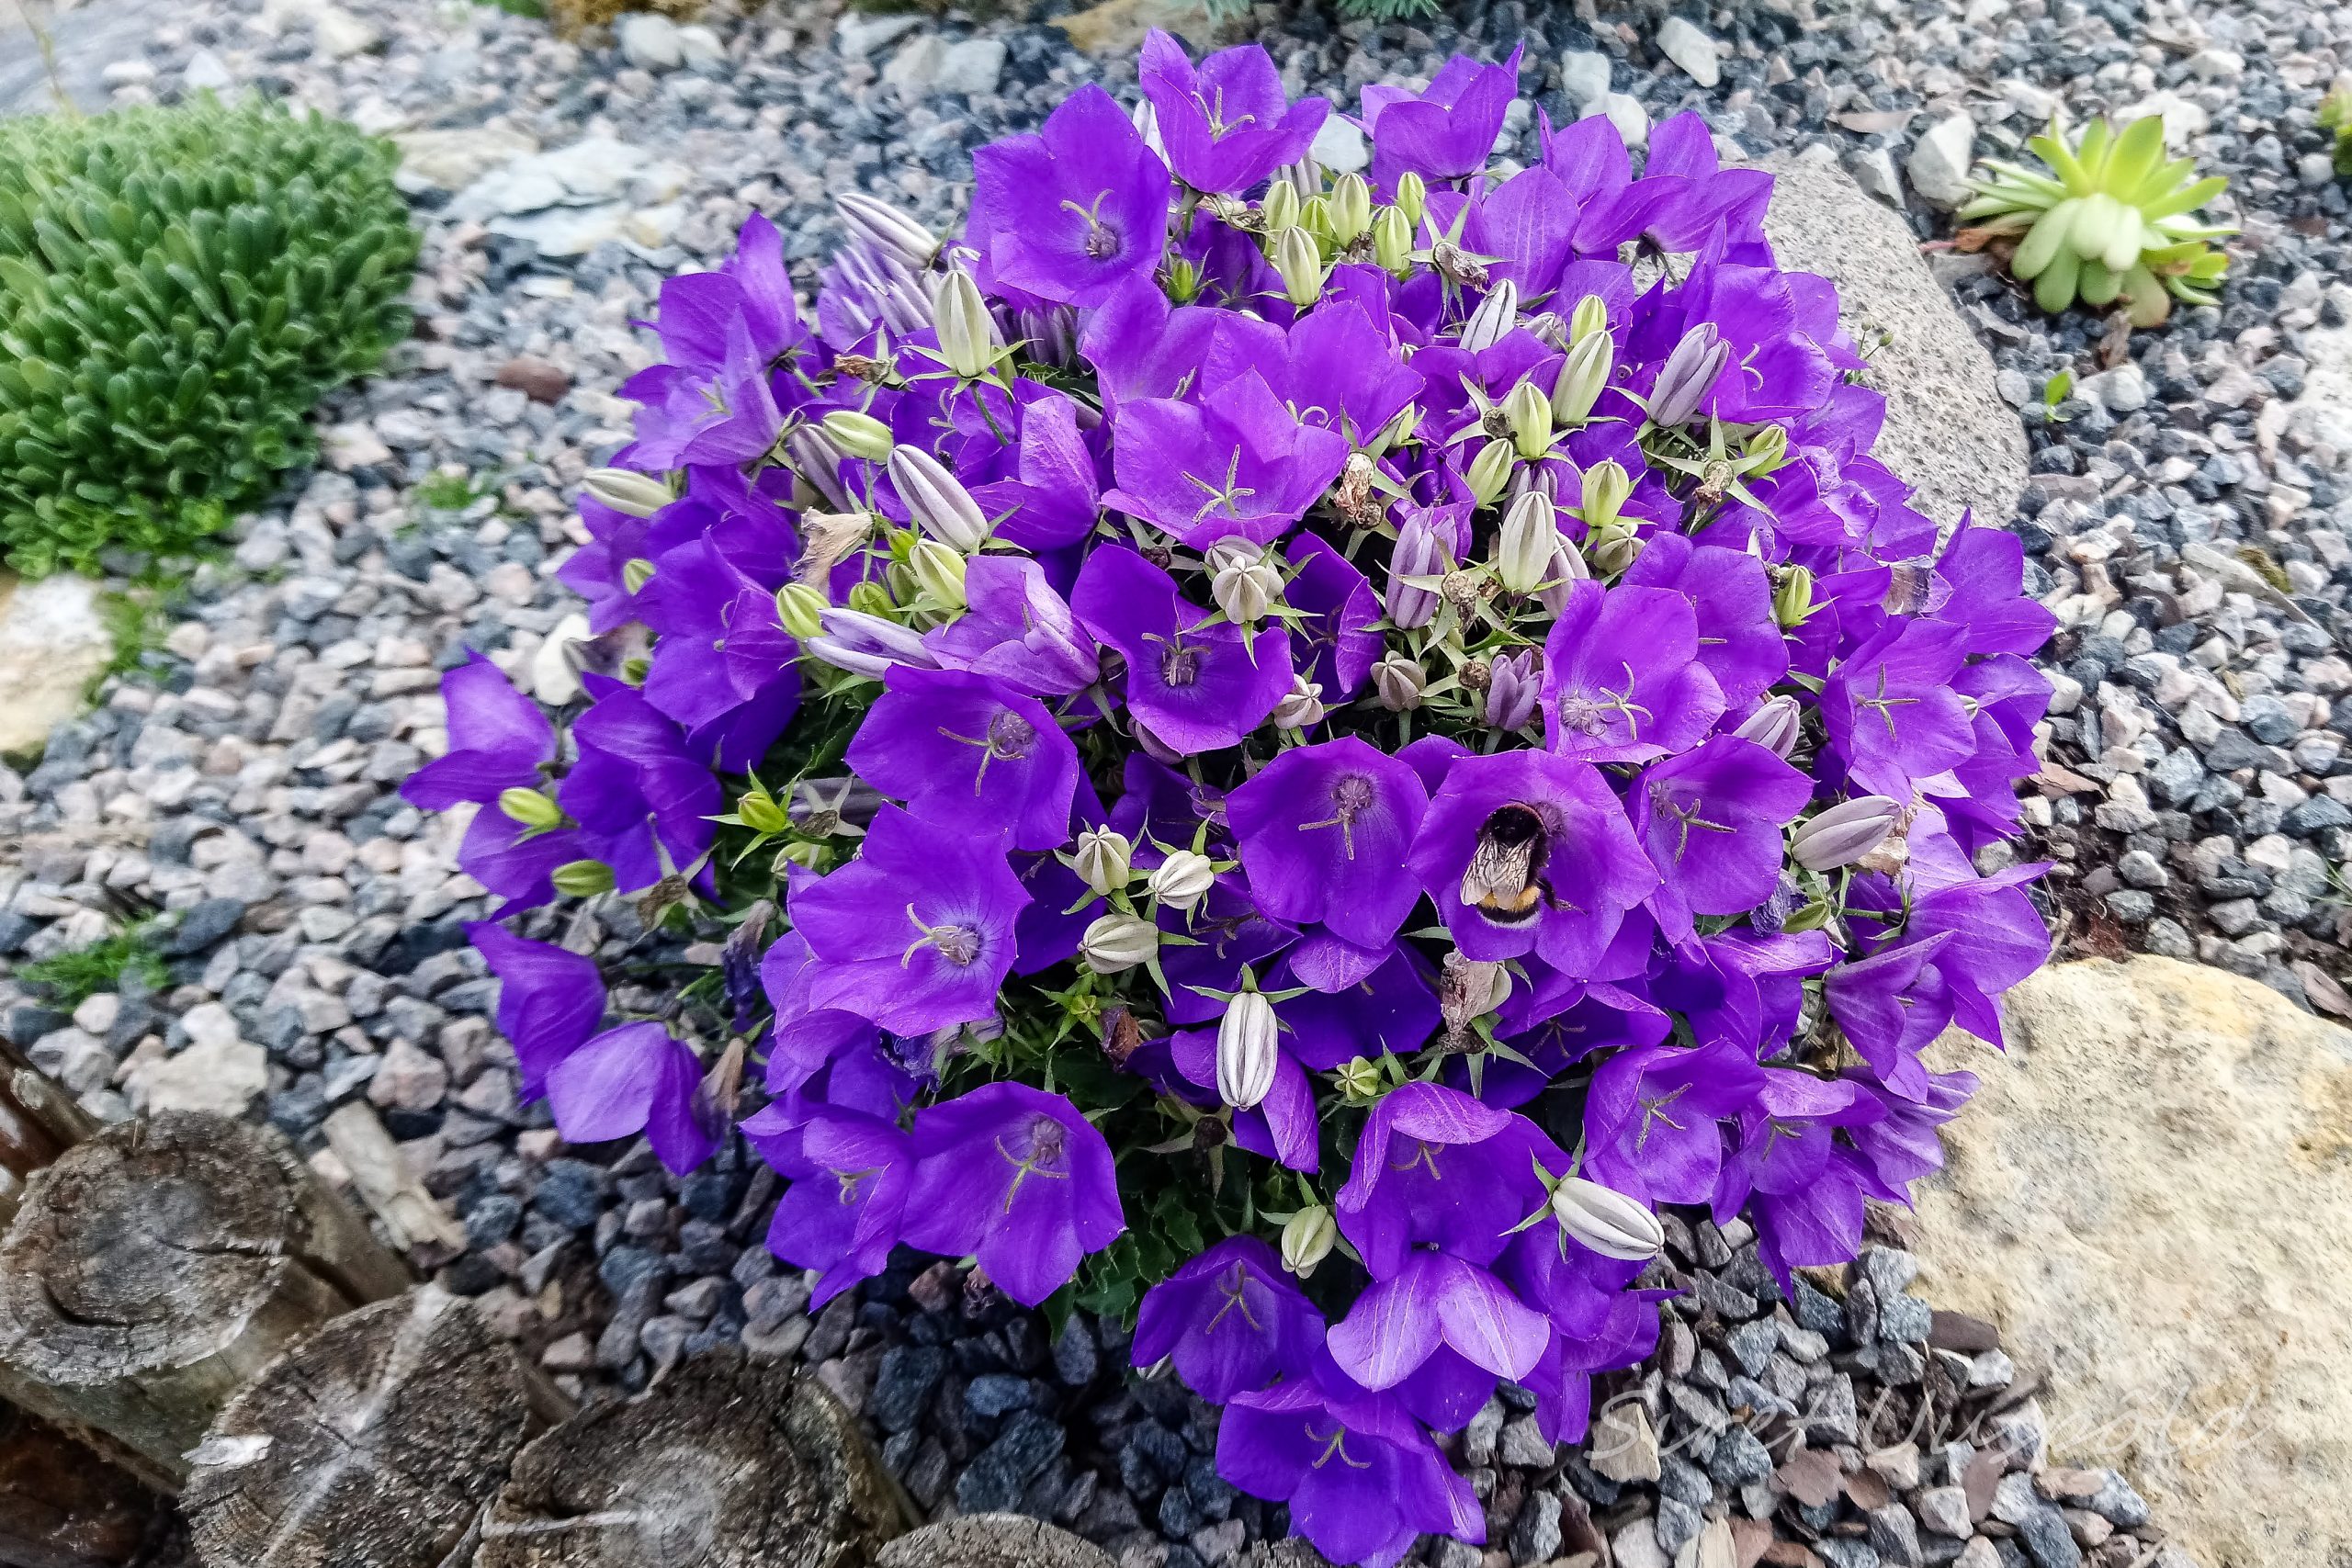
(2113, 220)
(177, 286)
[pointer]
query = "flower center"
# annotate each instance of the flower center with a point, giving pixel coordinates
(1011, 736)
(1179, 666)
(1351, 794)
(960, 945)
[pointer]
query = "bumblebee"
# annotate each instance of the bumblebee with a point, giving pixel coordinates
(1505, 879)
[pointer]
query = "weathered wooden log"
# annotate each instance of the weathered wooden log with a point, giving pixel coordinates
(726, 1464)
(992, 1540)
(155, 1267)
(61, 1506)
(39, 1121)
(376, 1442)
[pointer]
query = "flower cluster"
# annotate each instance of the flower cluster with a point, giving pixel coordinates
(1294, 755)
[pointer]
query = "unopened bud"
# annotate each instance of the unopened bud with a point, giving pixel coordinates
(1513, 687)
(1584, 376)
(1350, 207)
(1248, 1050)
(1102, 858)
(529, 808)
(1590, 316)
(1689, 375)
(800, 608)
(1528, 543)
(1392, 239)
(1145, 120)
(1605, 490)
(1115, 943)
(1529, 414)
(638, 495)
(760, 811)
(1412, 197)
(939, 573)
(1614, 549)
(888, 230)
(1359, 1078)
(1497, 314)
(1242, 582)
(1420, 553)
(636, 572)
(1278, 210)
(870, 598)
(1845, 833)
(937, 500)
(1792, 597)
(1298, 260)
(1302, 707)
(816, 460)
(581, 878)
(1398, 680)
(1768, 449)
(1490, 471)
(967, 339)
(1182, 880)
(859, 434)
(1308, 1239)
(1775, 724)
(1607, 1221)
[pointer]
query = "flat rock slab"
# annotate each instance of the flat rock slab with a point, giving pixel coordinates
(991, 1541)
(2149, 1196)
(1948, 432)
(52, 645)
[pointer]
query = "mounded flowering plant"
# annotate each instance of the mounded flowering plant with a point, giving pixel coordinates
(1285, 756)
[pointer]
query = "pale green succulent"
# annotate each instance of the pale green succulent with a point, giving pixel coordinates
(2113, 220)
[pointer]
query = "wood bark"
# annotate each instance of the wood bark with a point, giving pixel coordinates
(61, 1506)
(39, 1121)
(725, 1464)
(154, 1267)
(992, 1540)
(375, 1442)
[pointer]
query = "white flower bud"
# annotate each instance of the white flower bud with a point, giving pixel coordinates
(967, 339)
(800, 608)
(1242, 582)
(1590, 316)
(1493, 320)
(1490, 471)
(1398, 680)
(1607, 1221)
(1350, 208)
(638, 495)
(1307, 1237)
(1845, 832)
(888, 230)
(937, 499)
(1775, 724)
(1529, 544)
(1278, 208)
(859, 434)
(1247, 1048)
(1607, 487)
(1116, 941)
(1182, 880)
(1299, 262)
(1102, 858)
(1302, 707)
(1529, 414)
(1145, 120)
(939, 571)
(1392, 239)
(1584, 376)
(1412, 195)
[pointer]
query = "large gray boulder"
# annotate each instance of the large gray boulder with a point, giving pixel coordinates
(1947, 432)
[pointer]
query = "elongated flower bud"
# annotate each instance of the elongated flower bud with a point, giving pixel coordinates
(1115, 943)
(529, 808)
(1392, 239)
(1308, 1239)
(1529, 414)
(1398, 680)
(1775, 724)
(1768, 449)
(1584, 376)
(800, 608)
(1513, 687)
(1689, 374)
(859, 434)
(1590, 316)
(1607, 1221)
(888, 230)
(1102, 858)
(1301, 706)
(1242, 579)
(1489, 472)
(1350, 207)
(1278, 210)
(1606, 488)
(1419, 553)
(816, 457)
(937, 500)
(1247, 1046)
(1845, 832)
(967, 338)
(1568, 567)
(866, 644)
(1493, 320)
(638, 495)
(1614, 549)
(1412, 195)
(1299, 262)
(581, 878)
(1528, 543)
(939, 571)
(1182, 880)
(1792, 597)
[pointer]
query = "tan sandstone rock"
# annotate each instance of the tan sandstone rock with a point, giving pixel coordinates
(53, 643)
(2150, 1196)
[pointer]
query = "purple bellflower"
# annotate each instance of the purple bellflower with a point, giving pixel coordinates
(1225, 124)
(1071, 212)
(1230, 1320)
(1323, 831)
(968, 752)
(1193, 687)
(1016, 1177)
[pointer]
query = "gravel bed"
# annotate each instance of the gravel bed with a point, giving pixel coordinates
(2187, 518)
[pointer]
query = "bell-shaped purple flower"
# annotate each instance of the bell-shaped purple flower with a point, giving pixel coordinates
(1238, 464)
(917, 933)
(1434, 1166)
(841, 1213)
(644, 802)
(1445, 131)
(1231, 1320)
(1437, 1301)
(1739, 642)
(499, 739)
(1017, 630)
(1892, 710)
(722, 413)
(1337, 634)
(636, 1078)
(969, 752)
(1071, 212)
(1227, 125)
(1524, 851)
(549, 999)
(1362, 1480)
(1324, 831)
(1016, 1177)
(1654, 1115)
(1710, 820)
(1623, 679)
(1194, 688)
